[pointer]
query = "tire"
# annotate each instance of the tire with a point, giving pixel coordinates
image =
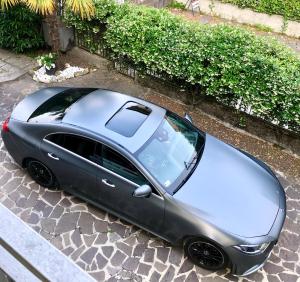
(41, 174)
(206, 254)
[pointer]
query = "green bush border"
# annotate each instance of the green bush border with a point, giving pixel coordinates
(231, 64)
(20, 29)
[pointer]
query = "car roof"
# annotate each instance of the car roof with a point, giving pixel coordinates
(94, 111)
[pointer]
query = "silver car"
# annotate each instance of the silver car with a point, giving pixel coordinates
(152, 168)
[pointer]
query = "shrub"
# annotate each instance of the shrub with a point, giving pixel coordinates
(103, 10)
(20, 29)
(176, 5)
(290, 9)
(229, 63)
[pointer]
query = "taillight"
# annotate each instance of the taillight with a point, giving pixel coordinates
(5, 127)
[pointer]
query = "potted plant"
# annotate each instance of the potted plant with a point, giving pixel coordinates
(48, 61)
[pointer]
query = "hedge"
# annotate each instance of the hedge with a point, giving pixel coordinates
(20, 29)
(229, 63)
(290, 9)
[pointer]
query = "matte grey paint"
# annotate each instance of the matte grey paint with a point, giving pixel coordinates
(86, 114)
(221, 180)
(142, 191)
(229, 199)
(27, 106)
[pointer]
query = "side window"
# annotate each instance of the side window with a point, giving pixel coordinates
(56, 138)
(120, 165)
(76, 144)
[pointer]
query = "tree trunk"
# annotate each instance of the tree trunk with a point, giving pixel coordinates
(53, 23)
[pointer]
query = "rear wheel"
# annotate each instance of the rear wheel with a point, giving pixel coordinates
(205, 254)
(41, 174)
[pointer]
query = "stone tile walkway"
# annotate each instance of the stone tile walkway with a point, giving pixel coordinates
(13, 66)
(113, 250)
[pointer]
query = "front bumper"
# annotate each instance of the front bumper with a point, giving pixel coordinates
(243, 264)
(254, 268)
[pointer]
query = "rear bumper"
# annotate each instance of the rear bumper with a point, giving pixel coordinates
(11, 147)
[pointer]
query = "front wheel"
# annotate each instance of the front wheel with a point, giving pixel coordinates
(205, 254)
(41, 174)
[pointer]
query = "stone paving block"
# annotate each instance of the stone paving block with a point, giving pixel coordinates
(149, 255)
(78, 252)
(52, 197)
(118, 228)
(169, 275)
(143, 269)
(99, 275)
(125, 248)
(131, 264)
(186, 266)
(101, 226)
(76, 238)
(107, 251)
(139, 250)
(118, 258)
(288, 277)
(57, 212)
(67, 223)
(101, 261)
(155, 277)
(48, 224)
(85, 223)
(160, 267)
(101, 239)
(68, 251)
(33, 218)
(89, 239)
(89, 255)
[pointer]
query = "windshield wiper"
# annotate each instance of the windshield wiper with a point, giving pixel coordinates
(188, 164)
(194, 159)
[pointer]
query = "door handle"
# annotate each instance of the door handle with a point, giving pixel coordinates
(52, 156)
(108, 183)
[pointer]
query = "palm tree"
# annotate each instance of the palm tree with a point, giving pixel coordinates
(48, 8)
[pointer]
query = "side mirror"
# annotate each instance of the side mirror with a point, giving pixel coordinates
(188, 117)
(143, 191)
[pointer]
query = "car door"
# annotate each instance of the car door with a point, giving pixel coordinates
(117, 180)
(67, 155)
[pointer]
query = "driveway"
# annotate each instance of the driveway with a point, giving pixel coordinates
(111, 249)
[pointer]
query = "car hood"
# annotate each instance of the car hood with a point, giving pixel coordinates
(231, 191)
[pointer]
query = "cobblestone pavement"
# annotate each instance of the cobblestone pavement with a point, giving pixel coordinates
(111, 249)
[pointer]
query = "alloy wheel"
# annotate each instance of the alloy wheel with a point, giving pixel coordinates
(206, 255)
(40, 173)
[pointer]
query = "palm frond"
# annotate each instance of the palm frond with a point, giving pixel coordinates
(85, 8)
(44, 7)
(4, 4)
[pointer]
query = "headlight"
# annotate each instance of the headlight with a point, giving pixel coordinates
(253, 249)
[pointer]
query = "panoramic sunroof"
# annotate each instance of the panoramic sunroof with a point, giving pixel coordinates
(128, 119)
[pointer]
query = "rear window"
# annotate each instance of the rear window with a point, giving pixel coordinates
(56, 107)
(128, 119)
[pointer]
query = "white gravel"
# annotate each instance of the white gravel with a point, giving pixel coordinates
(69, 72)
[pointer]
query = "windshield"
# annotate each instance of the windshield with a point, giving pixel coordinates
(172, 151)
